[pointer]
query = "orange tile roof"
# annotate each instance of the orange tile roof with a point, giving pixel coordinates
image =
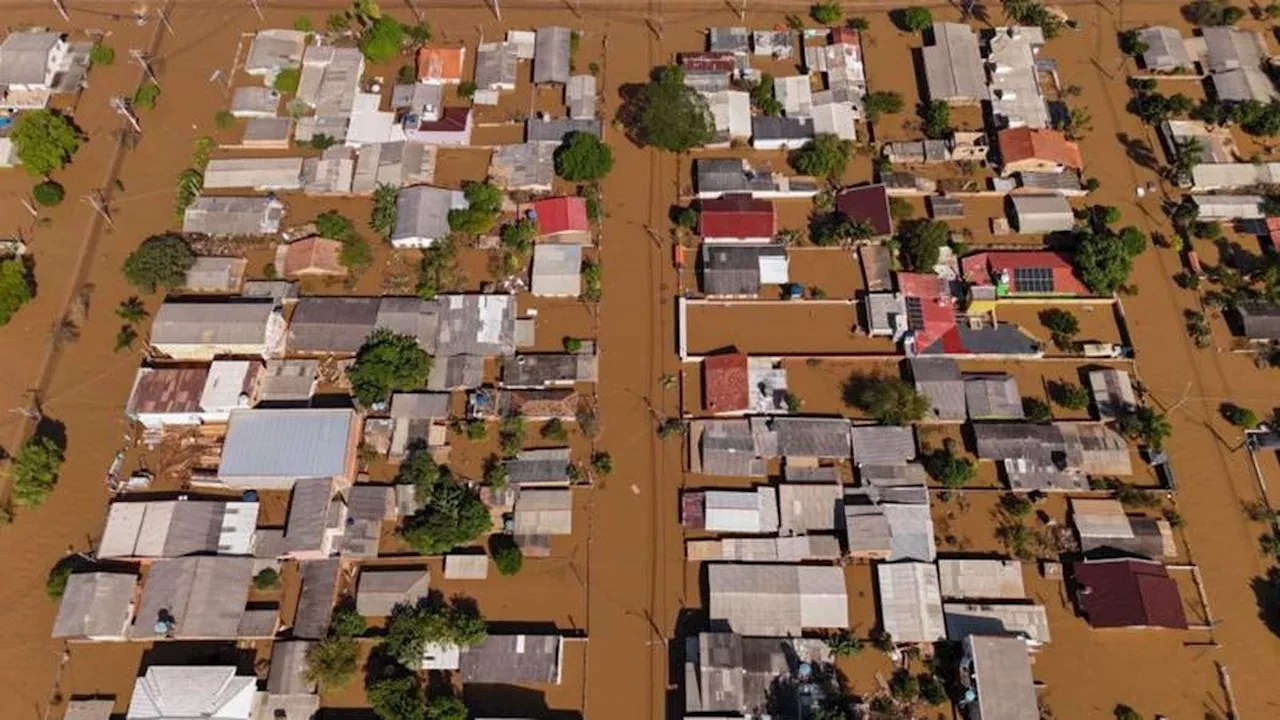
(1018, 144)
(313, 256)
(441, 63)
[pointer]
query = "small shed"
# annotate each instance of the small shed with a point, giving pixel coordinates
(557, 270)
(1112, 392)
(580, 97)
(945, 208)
(380, 590)
(1038, 214)
(215, 275)
(469, 566)
(993, 396)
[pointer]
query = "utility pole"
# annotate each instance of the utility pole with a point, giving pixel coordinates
(30, 208)
(141, 58)
(497, 11)
(256, 8)
(218, 78)
(62, 10)
(122, 109)
(574, 8)
(164, 20)
(99, 205)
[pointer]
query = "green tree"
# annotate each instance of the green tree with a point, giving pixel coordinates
(302, 23)
(844, 644)
(411, 627)
(901, 208)
(913, 19)
(454, 516)
(764, 98)
(670, 115)
(1124, 712)
(554, 430)
(518, 237)
(398, 697)
(1241, 417)
(583, 157)
(484, 203)
(346, 621)
(824, 156)
(1060, 322)
(1030, 12)
(267, 579)
(881, 102)
(446, 707)
(904, 686)
(101, 55)
(951, 470)
(332, 662)
(511, 434)
(937, 119)
(382, 39)
(387, 362)
(920, 243)
(335, 226)
(1146, 425)
(1102, 263)
(126, 336)
(385, 199)
(146, 96)
(1208, 13)
(466, 89)
(889, 400)
(931, 689)
(287, 80)
(826, 13)
(1015, 504)
(34, 470)
(356, 256)
(15, 288)
(161, 261)
(1036, 410)
(48, 193)
(55, 583)
(1069, 395)
(421, 471)
(418, 35)
(1132, 44)
(506, 554)
(45, 140)
(602, 463)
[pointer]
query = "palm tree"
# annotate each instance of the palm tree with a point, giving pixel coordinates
(132, 310)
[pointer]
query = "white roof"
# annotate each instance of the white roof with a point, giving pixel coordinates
(1015, 87)
(1023, 619)
(742, 511)
(981, 579)
(1100, 518)
(557, 270)
(1112, 391)
(1002, 678)
(283, 173)
(1225, 176)
(731, 111)
(911, 602)
(778, 600)
(182, 692)
(796, 95)
(224, 385)
(1230, 207)
(835, 118)
(466, 567)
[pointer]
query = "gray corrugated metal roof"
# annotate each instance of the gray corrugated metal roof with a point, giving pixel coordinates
(233, 322)
(422, 211)
(371, 502)
(555, 129)
(381, 590)
(810, 437)
(288, 661)
(993, 397)
(580, 97)
(315, 598)
(524, 166)
(308, 515)
(910, 602)
(412, 316)
(939, 380)
(302, 443)
(201, 597)
(215, 274)
(551, 55)
(557, 270)
(231, 216)
(97, 604)
(542, 369)
(89, 710)
(1002, 676)
(288, 381)
(513, 659)
(24, 57)
(332, 324)
(883, 444)
(496, 65)
(476, 325)
(252, 100)
(454, 372)
(547, 465)
(764, 127)
(734, 268)
(953, 67)
(274, 49)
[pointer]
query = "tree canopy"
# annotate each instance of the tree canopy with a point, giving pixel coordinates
(484, 203)
(583, 157)
(913, 19)
(388, 362)
(35, 470)
(881, 102)
(826, 13)
(398, 697)
(1212, 12)
(937, 119)
(446, 707)
(15, 288)
(889, 400)
(1102, 263)
(948, 468)
(332, 662)
(385, 199)
(411, 627)
(381, 39)
(921, 242)
(670, 115)
(45, 140)
(161, 261)
(824, 156)
(452, 514)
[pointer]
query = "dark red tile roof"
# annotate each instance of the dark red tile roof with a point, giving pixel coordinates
(561, 214)
(868, 202)
(724, 383)
(737, 216)
(844, 36)
(1018, 144)
(708, 62)
(169, 390)
(985, 269)
(453, 119)
(1128, 593)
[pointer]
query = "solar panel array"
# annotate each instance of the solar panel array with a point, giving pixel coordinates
(915, 313)
(1033, 280)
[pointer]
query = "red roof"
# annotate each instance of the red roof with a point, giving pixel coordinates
(986, 269)
(931, 310)
(869, 203)
(1018, 144)
(724, 383)
(709, 62)
(1128, 593)
(313, 256)
(737, 216)
(844, 36)
(452, 119)
(441, 63)
(561, 215)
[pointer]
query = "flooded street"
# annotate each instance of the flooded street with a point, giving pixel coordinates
(622, 577)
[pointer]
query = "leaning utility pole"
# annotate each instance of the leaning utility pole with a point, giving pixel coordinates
(164, 20)
(30, 208)
(141, 58)
(122, 109)
(256, 8)
(99, 204)
(497, 11)
(62, 10)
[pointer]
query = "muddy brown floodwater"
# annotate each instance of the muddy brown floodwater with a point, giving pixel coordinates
(626, 547)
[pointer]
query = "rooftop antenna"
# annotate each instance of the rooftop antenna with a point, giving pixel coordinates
(122, 109)
(99, 204)
(62, 10)
(256, 8)
(141, 58)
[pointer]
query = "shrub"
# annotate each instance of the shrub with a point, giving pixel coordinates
(15, 288)
(385, 199)
(44, 140)
(1212, 12)
(1036, 410)
(480, 215)
(161, 261)
(1241, 417)
(901, 208)
(302, 23)
(844, 644)
(446, 707)
(1132, 44)
(146, 96)
(224, 119)
(554, 430)
(320, 141)
(126, 336)
(100, 55)
(826, 13)
(55, 583)
(592, 281)
(387, 362)
(583, 157)
(34, 470)
(1124, 712)
(687, 218)
(356, 256)
(1062, 324)
(397, 698)
(572, 344)
(904, 686)
(1015, 504)
(764, 97)
(381, 40)
(267, 579)
(859, 23)
(511, 435)
(948, 468)
(912, 19)
(346, 622)
(881, 102)
(937, 119)
(1068, 395)
(931, 689)
(48, 193)
(466, 89)
(506, 554)
(287, 80)
(602, 463)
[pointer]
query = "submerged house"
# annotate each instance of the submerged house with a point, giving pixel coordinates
(204, 330)
(777, 600)
(273, 449)
(1127, 593)
(233, 216)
